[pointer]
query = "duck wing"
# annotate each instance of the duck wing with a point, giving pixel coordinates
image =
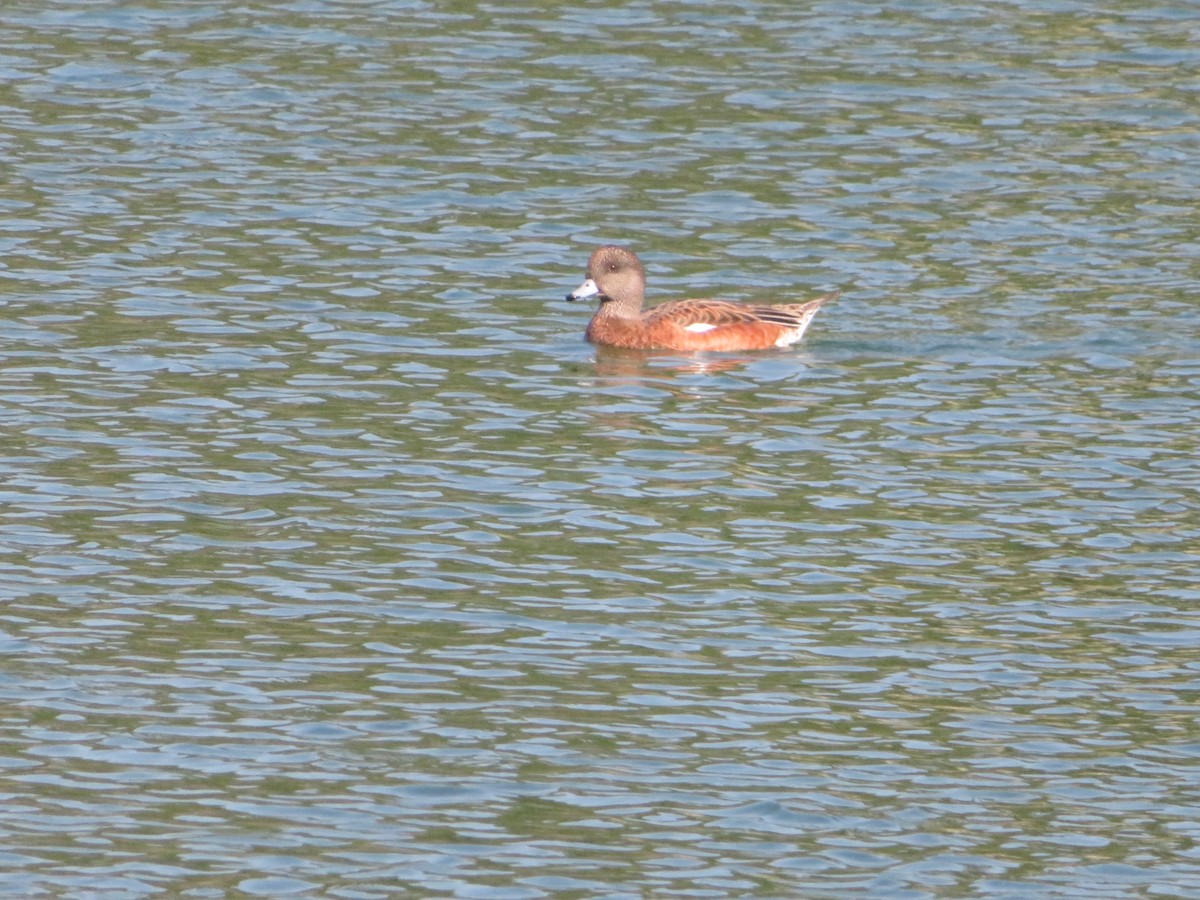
(713, 313)
(695, 314)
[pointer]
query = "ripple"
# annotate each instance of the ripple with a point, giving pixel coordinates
(326, 533)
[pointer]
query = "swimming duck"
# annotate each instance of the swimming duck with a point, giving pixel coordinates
(615, 275)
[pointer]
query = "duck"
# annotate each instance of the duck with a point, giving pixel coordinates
(617, 278)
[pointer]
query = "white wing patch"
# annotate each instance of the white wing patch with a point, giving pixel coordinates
(699, 327)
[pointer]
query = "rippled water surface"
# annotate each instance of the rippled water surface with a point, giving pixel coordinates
(333, 562)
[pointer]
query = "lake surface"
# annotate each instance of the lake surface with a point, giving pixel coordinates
(334, 562)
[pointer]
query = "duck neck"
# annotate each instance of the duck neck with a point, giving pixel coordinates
(620, 308)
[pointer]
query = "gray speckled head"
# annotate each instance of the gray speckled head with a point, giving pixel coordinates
(616, 276)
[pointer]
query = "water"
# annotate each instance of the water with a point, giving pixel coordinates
(333, 562)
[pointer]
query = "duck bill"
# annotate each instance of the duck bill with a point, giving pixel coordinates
(585, 290)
